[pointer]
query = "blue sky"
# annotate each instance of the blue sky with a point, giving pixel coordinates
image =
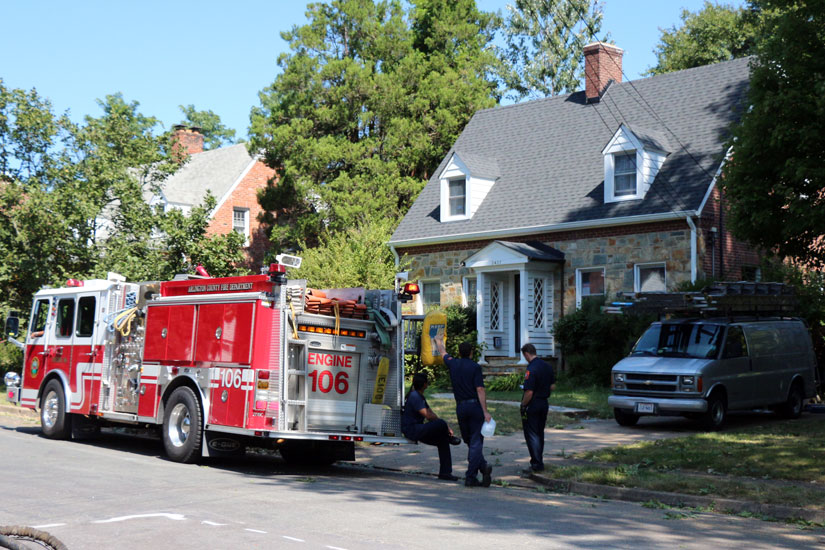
(214, 54)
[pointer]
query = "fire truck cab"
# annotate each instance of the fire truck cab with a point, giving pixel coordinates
(217, 364)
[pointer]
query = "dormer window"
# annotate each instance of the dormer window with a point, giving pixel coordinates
(632, 159)
(624, 174)
(458, 197)
(465, 182)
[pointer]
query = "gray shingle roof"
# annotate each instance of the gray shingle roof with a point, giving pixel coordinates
(215, 170)
(548, 153)
(535, 250)
(480, 166)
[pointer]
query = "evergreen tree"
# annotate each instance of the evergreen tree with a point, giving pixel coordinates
(367, 104)
(545, 38)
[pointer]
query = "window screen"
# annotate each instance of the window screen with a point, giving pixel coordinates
(651, 278)
(624, 174)
(431, 293)
(458, 192)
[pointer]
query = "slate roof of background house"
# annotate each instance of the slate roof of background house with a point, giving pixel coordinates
(548, 152)
(214, 170)
(535, 250)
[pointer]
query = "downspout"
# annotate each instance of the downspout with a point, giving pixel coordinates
(395, 255)
(692, 248)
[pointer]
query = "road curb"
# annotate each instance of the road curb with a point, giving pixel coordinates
(17, 410)
(724, 505)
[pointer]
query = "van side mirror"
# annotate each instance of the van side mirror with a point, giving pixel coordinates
(12, 325)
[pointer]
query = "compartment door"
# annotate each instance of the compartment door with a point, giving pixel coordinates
(331, 389)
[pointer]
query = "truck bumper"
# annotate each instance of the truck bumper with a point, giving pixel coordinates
(660, 404)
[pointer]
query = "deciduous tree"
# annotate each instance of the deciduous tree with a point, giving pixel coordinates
(215, 133)
(775, 180)
(717, 32)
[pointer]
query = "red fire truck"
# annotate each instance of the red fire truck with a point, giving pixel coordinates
(218, 363)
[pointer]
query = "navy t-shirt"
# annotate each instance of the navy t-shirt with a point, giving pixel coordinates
(465, 375)
(538, 378)
(415, 402)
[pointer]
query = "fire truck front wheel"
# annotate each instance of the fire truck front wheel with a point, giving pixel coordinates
(182, 426)
(53, 418)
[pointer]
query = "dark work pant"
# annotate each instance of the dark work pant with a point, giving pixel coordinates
(533, 427)
(470, 419)
(436, 433)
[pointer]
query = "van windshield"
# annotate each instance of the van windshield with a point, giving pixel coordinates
(695, 340)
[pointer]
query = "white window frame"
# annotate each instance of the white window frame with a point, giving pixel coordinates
(540, 301)
(463, 196)
(466, 298)
(637, 281)
(422, 304)
(579, 271)
(245, 212)
(634, 172)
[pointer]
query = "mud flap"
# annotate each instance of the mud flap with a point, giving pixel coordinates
(221, 445)
(84, 427)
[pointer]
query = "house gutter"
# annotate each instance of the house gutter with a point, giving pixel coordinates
(395, 255)
(522, 231)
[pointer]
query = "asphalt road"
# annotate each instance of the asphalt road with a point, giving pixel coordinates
(119, 492)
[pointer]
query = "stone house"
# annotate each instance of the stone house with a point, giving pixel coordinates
(233, 176)
(541, 205)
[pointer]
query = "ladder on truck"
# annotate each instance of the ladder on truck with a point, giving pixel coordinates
(724, 299)
(293, 392)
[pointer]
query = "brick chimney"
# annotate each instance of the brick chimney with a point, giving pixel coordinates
(602, 63)
(187, 139)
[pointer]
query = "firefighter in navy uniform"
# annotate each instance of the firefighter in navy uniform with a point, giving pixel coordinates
(539, 381)
(471, 409)
(434, 432)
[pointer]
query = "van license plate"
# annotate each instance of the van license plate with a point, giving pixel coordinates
(646, 408)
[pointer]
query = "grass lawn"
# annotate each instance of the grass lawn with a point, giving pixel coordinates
(593, 398)
(790, 451)
(507, 417)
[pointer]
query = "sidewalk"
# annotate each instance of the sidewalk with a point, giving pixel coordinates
(508, 453)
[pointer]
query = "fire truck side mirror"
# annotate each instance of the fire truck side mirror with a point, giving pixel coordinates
(12, 325)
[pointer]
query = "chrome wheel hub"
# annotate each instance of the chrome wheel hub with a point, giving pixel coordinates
(179, 424)
(51, 408)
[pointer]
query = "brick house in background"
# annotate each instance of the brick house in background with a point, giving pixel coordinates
(234, 178)
(541, 205)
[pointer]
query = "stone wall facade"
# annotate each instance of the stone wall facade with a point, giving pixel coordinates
(618, 251)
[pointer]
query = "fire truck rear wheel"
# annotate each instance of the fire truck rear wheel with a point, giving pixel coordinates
(54, 421)
(182, 426)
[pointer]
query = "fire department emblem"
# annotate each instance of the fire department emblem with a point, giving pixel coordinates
(35, 366)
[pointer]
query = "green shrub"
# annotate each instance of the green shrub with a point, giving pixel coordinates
(592, 341)
(509, 382)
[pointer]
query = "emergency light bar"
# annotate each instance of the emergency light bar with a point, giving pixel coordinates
(288, 260)
(327, 330)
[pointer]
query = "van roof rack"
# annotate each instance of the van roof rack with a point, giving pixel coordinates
(724, 299)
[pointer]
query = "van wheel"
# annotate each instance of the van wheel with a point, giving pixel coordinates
(625, 418)
(182, 426)
(716, 414)
(54, 421)
(792, 408)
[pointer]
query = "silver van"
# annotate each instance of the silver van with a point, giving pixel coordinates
(702, 368)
